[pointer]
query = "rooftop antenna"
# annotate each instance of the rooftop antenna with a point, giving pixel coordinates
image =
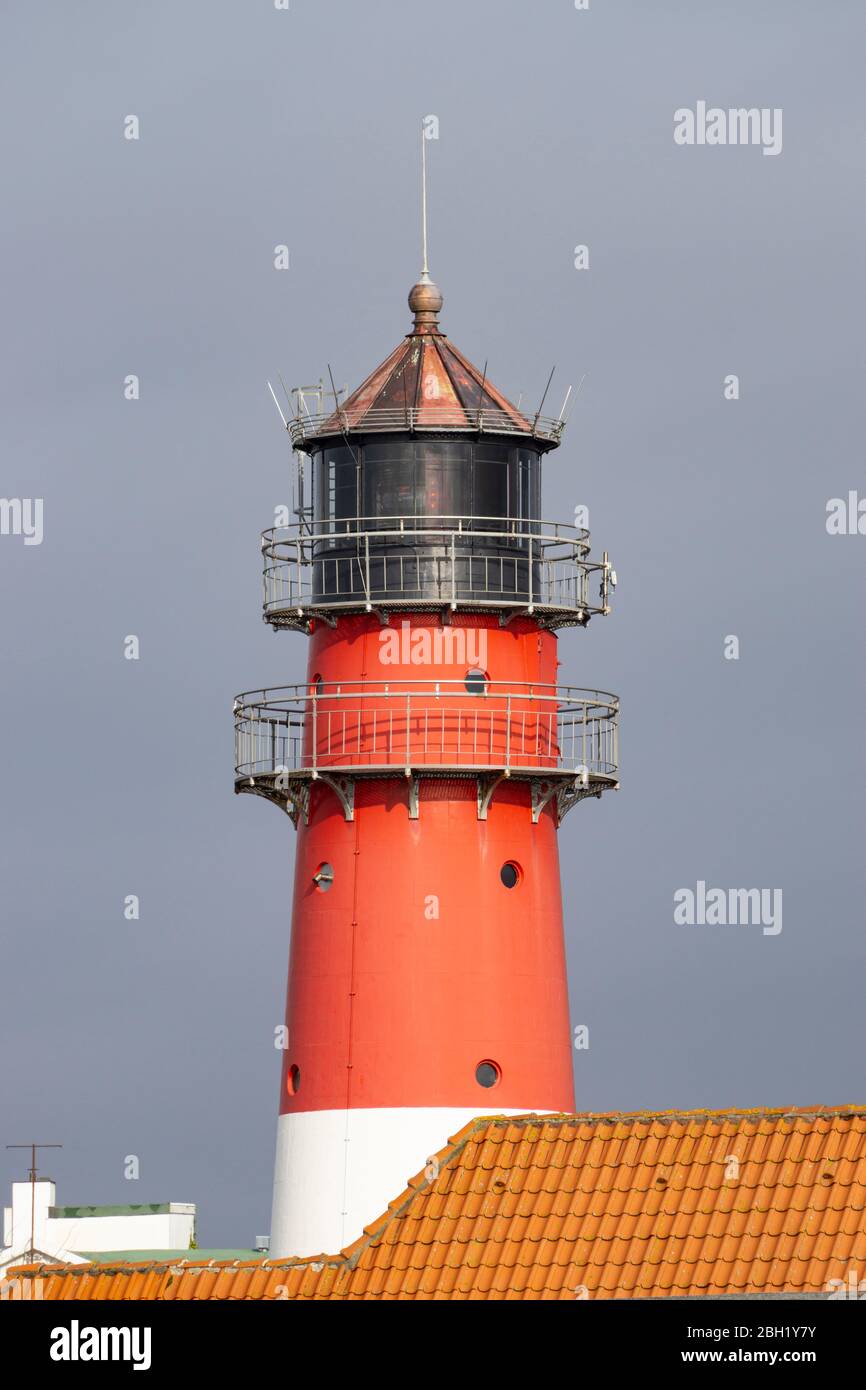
(342, 418)
(576, 394)
(425, 273)
(285, 389)
(425, 300)
(33, 1148)
(543, 398)
(277, 404)
(337, 405)
(341, 415)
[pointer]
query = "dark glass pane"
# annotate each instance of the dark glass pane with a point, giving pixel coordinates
(491, 488)
(334, 486)
(389, 489)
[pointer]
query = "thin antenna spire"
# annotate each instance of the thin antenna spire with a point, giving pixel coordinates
(277, 404)
(543, 398)
(425, 273)
(425, 299)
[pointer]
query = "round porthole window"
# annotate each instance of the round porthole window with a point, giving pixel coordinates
(510, 874)
(488, 1074)
(316, 685)
(324, 877)
(293, 1080)
(475, 681)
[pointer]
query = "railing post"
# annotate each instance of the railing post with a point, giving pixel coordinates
(453, 574)
(530, 575)
(408, 751)
(367, 565)
(508, 733)
(315, 729)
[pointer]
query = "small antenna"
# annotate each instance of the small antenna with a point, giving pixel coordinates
(337, 406)
(277, 404)
(341, 414)
(33, 1148)
(565, 403)
(342, 417)
(576, 394)
(543, 398)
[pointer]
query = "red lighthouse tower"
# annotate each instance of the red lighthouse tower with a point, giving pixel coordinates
(427, 762)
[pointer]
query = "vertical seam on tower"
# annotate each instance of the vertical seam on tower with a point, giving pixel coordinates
(355, 855)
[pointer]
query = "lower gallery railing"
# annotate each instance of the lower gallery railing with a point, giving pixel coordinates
(366, 726)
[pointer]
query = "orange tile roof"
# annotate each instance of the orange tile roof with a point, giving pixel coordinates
(566, 1206)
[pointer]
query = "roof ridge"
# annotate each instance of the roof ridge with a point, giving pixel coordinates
(798, 1112)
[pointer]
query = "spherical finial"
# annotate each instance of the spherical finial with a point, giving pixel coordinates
(425, 301)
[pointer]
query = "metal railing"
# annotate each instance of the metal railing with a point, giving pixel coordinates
(363, 727)
(382, 419)
(359, 561)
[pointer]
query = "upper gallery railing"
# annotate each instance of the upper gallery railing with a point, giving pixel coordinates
(385, 419)
(360, 561)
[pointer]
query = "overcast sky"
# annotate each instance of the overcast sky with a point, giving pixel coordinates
(261, 127)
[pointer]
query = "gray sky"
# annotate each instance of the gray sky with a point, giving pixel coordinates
(155, 257)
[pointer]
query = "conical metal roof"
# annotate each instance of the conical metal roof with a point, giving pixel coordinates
(426, 384)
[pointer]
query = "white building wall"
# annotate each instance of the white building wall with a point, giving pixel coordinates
(62, 1237)
(129, 1231)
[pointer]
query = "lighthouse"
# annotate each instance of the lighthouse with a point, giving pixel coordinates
(427, 763)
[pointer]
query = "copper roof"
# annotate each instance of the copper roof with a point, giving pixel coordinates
(425, 383)
(646, 1205)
